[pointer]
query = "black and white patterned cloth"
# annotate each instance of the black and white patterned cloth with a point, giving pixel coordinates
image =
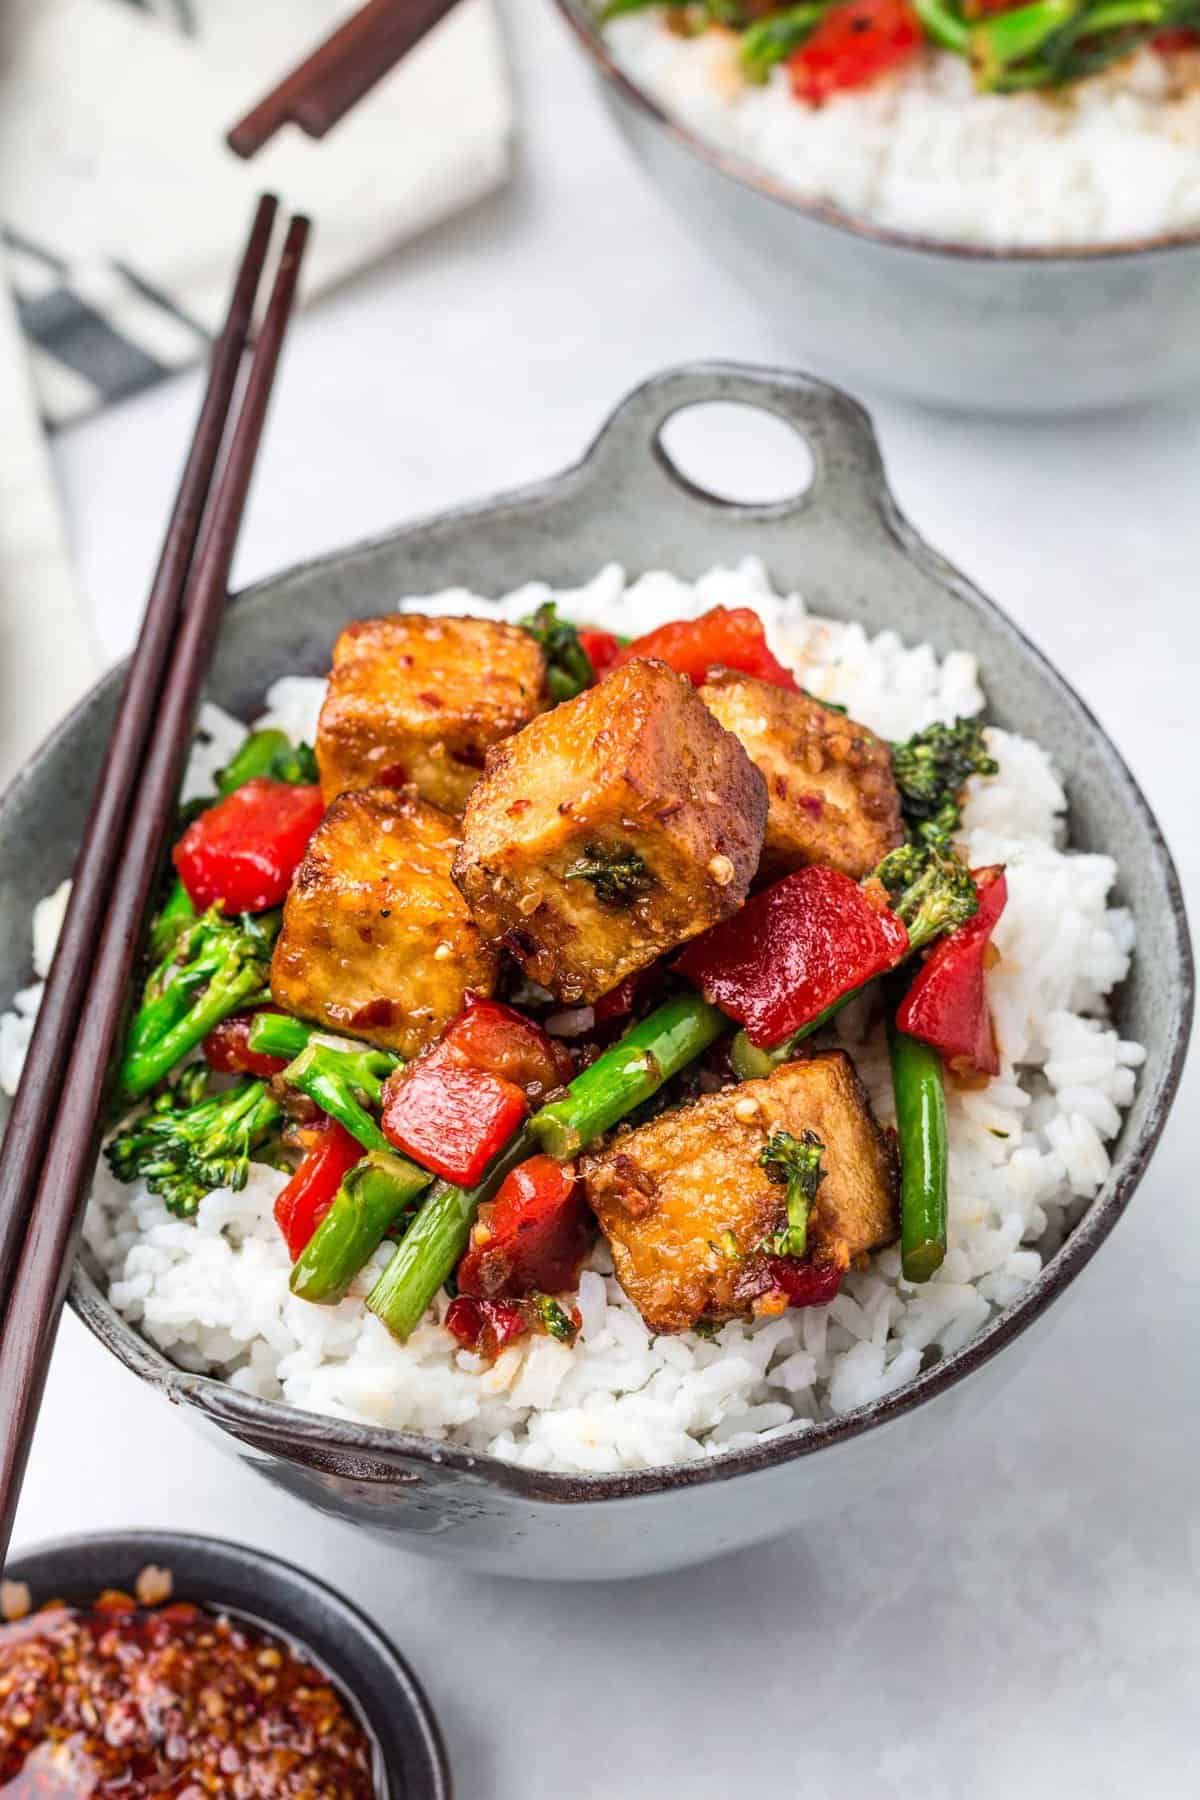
(121, 210)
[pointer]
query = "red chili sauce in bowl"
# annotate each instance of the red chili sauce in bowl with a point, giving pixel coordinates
(129, 1700)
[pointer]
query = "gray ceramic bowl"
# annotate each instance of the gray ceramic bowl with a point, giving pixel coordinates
(976, 329)
(410, 1759)
(846, 547)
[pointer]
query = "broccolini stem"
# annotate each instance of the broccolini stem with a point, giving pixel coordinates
(430, 1249)
(176, 912)
(631, 1071)
(154, 1060)
(377, 1193)
(334, 1079)
(278, 1034)
(751, 1063)
(943, 25)
(252, 760)
(1004, 40)
(923, 1134)
(769, 41)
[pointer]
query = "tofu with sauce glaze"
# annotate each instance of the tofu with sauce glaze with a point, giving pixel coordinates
(685, 1203)
(831, 795)
(611, 830)
(420, 701)
(377, 942)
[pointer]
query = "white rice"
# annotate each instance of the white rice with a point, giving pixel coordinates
(1112, 158)
(1027, 1151)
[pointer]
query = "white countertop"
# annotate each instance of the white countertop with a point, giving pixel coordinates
(1021, 1615)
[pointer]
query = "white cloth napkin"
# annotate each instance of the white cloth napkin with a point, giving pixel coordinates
(123, 210)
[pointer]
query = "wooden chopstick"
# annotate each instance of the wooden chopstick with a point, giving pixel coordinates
(398, 27)
(35, 1299)
(339, 72)
(29, 1121)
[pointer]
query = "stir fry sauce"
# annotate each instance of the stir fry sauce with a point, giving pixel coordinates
(124, 1700)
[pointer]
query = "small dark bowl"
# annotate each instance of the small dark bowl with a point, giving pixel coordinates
(411, 1760)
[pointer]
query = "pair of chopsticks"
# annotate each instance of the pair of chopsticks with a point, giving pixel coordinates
(340, 72)
(50, 1148)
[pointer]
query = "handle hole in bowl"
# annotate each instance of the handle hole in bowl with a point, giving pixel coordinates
(736, 454)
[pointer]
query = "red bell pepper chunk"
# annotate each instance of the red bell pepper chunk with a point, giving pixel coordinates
(485, 1326)
(621, 1000)
(1183, 37)
(227, 1049)
(532, 1237)
(792, 951)
(312, 1190)
(490, 1036)
(805, 1283)
(602, 649)
(852, 46)
(725, 638)
(450, 1117)
(946, 1006)
(242, 852)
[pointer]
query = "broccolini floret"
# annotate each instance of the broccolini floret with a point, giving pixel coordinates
(931, 771)
(268, 755)
(211, 966)
(796, 1161)
(191, 1141)
(568, 666)
(930, 888)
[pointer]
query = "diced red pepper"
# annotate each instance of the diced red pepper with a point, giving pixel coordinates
(485, 1326)
(725, 638)
(805, 1283)
(602, 649)
(312, 1190)
(532, 1237)
(792, 951)
(450, 1117)
(242, 852)
(227, 1049)
(852, 46)
(1183, 37)
(621, 1000)
(490, 1036)
(946, 1006)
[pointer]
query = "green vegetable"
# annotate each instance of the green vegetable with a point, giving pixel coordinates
(190, 1142)
(924, 1153)
(769, 41)
(213, 967)
(627, 1074)
(943, 25)
(554, 1319)
(344, 1083)
(617, 873)
(433, 1245)
(619, 1080)
(933, 768)
(568, 666)
(176, 912)
(796, 1162)
(278, 1034)
(268, 755)
(376, 1194)
(930, 888)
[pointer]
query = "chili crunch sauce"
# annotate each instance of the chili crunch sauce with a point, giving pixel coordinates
(125, 1700)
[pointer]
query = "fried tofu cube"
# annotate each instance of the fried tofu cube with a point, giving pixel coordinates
(832, 797)
(377, 942)
(420, 701)
(610, 831)
(687, 1206)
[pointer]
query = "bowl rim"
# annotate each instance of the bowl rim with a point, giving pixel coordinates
(204, 1562)
(399, 1454)
(748, 174)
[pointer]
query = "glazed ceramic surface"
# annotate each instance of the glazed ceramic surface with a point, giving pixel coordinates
(844, 545)
(410, 1758)
(971, 328)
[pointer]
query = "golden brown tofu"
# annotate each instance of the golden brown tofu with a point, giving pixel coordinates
(420, 701)
(687, 1207)
(829, 781)
(376, 941)
(610, 830)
